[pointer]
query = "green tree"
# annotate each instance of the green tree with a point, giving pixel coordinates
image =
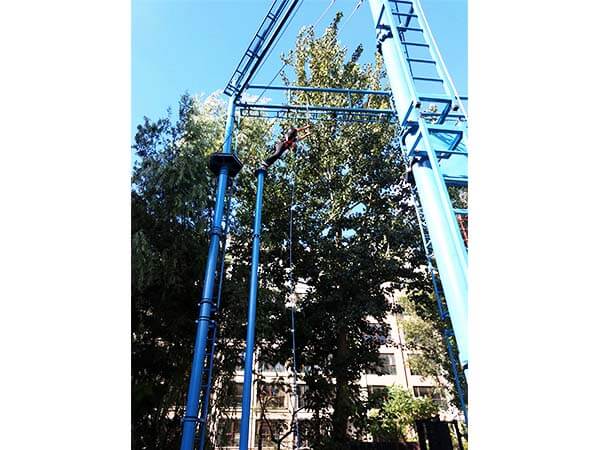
(172, 199)
(170, 205)
(424, 338)
(394, 421)
(355, 240)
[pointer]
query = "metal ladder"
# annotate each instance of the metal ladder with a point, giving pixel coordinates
(437, 119)
(256, 49)
(439, 297)
(436, 114)
(213, 328)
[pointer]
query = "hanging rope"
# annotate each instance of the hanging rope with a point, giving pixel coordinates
(350, 17)
(296, 443)
(285, 63)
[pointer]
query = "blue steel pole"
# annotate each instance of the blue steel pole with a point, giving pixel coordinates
(191, 409)
(452, 275)
(450, 261)
(248, 358)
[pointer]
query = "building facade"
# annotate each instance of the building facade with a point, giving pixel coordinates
(277, 404)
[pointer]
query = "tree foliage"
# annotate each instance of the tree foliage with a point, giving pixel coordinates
(172, 199)
(355, 241)
(394, 421)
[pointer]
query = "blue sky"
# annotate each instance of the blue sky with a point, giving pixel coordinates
(194, 45)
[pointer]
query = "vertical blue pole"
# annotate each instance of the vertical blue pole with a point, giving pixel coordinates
(193, 399)
(452, 275)
(450, 258)
(248, 358)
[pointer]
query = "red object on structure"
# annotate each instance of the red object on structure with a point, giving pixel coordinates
(463, 223)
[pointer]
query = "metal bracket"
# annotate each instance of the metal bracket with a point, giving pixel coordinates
(217, 160)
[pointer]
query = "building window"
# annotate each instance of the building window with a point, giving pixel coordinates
(412, 365)
(272, 396)
(229, 433)
(238, 393)
(268, 367)
(302, 390)
(239, 362)
(387, 362)
(377, 395)
(268, 431)
(430, 392)
(233, 394)
(380, 332)
(303, 429)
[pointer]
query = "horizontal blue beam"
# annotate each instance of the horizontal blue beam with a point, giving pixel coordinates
(316, 115)
(308, 108)
(438, 98)
(321, 89)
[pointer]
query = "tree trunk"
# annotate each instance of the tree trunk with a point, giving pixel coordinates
(342, 404)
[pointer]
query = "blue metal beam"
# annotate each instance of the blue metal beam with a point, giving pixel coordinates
(206, 303)
(322, 89)
(347, 112)
(431, 182)
(286, 114)
(260, 45)
(371, 111)
(250, 331)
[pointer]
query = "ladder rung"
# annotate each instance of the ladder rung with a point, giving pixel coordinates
(401, 1)
(440, 152)
(403, 14)
(461, 211)
(415, 44)
(444, 128)
(451, 152)
(438, 80)
(435, 98)
(427, 61)
(455, 181)
(403, 28)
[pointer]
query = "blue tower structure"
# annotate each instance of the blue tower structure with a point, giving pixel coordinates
(224, 165)
(433, 120)
(434, 124)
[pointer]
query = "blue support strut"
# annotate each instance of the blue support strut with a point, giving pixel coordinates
(448, 247)
(206, 303)
(248, 358)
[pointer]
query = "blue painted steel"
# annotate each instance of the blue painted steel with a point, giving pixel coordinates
(459, 390)
(384, 112)
(252, 298)
(206, 303)
(446, 240)
(260, 45)
(349, 112)
(308, 105)
(321, 89)
(435, 52)
(348, 115)
(213, 332)
(445, 205)
(439, 299)
(451, 271)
